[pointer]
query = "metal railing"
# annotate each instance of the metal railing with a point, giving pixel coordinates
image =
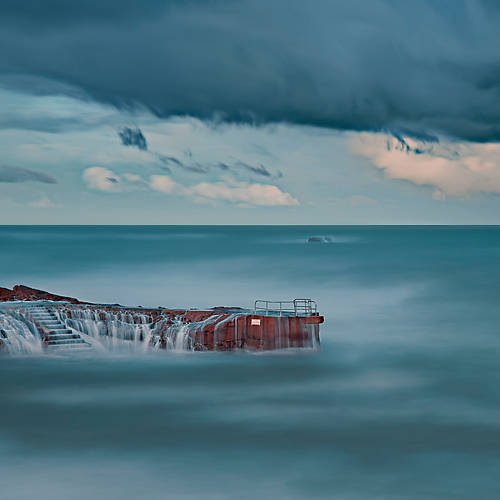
(297, 307)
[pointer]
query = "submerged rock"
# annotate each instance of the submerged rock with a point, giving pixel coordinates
(319, 239)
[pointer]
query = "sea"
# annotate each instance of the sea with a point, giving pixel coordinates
(401, 400)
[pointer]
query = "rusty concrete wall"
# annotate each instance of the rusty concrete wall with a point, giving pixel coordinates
(226, 331)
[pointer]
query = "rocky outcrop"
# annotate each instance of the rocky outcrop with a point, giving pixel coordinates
(219, 329)
(21, 292)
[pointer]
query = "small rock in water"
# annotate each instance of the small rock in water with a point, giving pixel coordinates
(319, 239)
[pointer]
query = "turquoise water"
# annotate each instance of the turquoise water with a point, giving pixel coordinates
(401, 401)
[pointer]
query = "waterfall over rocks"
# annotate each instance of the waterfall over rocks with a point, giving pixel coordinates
(16, 337)
(63, 327)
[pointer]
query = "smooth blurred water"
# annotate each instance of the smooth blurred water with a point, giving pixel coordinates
(402, 400)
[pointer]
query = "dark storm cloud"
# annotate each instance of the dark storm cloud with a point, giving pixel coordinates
(169, 160)
(133, 137)
(198, 168)
(402, 145)
(428, 67)
(259, 169)
(19, 174)
(53, 13)
(41, 123)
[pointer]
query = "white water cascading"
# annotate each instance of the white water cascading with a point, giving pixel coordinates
(115, 330)
(16, 337)
(102, 328)
(178, 334)
(105, 328)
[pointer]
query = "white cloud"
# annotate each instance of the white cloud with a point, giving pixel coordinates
(438, 195)
(243, 193)
(133, 178)
(43, 202)
(162, 183)
(360, 199)
(135, 181)
(102, 179)
(453, 169)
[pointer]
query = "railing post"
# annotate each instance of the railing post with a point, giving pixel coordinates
(300, 307)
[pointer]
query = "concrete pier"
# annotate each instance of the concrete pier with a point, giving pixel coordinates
(63, 323)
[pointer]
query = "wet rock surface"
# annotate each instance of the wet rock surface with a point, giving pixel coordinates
(218, 329)
(21, 292)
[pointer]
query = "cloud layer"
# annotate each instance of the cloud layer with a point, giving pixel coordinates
(102, 179)
(43, 202)
(243, 193)
(19, 174)
(453, 169)
(228, 190)
(417, 68)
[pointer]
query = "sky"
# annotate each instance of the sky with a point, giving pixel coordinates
(249, 112)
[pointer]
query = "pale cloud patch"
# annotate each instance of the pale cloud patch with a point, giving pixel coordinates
(102, 179)
(133, 178)
(228, 189)
(454, 169)
(20, 174)
(135, 181)
(438, 195)
(162, 183)
(360, 200)
(243, 193)
(43, 202)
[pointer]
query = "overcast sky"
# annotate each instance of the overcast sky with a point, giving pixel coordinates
(251, 112)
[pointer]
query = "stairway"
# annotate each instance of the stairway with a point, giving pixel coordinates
(55, 335)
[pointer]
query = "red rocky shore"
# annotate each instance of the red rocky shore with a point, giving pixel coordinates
(21, 292)
(219, 328)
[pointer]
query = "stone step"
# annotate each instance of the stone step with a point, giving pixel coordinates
(80, 346)
(70, 348)
(60, 336)
(65, 342)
